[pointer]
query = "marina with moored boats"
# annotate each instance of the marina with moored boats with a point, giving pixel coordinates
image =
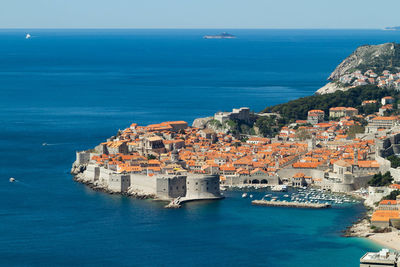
(297, 197)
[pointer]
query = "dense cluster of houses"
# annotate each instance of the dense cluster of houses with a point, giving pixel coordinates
(385, 80)
(173, 147)
(304, 146)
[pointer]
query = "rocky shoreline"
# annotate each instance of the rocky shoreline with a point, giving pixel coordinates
(360, 228)
(387, 237)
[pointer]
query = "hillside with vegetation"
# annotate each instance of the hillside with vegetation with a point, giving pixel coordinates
(298, 109)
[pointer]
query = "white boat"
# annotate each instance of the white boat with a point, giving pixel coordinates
(244, 195)
(251, 196)
(12, 180)
(27, 36)
(279, 188)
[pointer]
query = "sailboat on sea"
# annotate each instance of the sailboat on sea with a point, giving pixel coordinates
(27, 36)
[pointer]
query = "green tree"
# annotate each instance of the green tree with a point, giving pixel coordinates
(380, 179)
(392, 195)
(150, 156)
(394, 161)
(355, 129)
(303, 134)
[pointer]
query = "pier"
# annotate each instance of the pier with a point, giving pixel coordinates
(290, 204)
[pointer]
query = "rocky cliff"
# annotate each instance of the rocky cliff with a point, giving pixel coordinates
(201, 122)
(375, 57)
(331, 88)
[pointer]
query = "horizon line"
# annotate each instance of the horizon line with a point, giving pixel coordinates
(222, 28)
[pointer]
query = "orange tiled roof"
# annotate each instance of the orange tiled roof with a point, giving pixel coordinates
(381, 118)
(385, 215)
(388, 202)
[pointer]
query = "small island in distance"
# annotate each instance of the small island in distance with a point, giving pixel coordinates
(223, 35)
(395, 28)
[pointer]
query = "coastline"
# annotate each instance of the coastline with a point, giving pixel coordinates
(389, 240)
(362, 229)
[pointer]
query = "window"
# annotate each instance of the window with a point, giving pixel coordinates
(197, 183)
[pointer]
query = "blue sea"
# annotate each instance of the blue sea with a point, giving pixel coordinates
(72, 89)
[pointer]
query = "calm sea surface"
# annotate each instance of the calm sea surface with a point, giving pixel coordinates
(73, 89)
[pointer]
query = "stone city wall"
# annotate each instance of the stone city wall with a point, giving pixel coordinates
(143, 183)
(119, 182)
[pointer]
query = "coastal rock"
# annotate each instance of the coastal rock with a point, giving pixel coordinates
(219, 128)
(77, 168)
(362, 228)
(331, 88)
(201, 122)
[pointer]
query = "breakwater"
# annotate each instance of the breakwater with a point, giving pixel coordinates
(290, 204)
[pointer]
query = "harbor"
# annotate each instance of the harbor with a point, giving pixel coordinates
(295, 196)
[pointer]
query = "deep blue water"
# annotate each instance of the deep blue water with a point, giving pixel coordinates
(73, 89)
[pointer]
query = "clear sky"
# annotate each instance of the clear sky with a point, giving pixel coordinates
(199, 13)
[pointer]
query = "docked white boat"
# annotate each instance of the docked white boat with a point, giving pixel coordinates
(244, 195)
(279, 188)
